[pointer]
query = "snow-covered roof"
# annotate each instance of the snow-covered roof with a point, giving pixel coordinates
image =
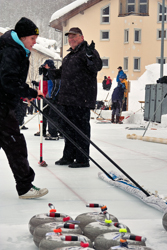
(67, 9)
(49, 52)
(45, 42)
(42, 46)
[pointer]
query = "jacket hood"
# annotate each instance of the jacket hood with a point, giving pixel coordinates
(7, 40)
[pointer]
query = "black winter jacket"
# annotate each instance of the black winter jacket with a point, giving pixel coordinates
(13, 72)
(79, 77)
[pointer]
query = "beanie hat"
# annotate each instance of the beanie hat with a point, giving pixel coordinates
(25, 27)
(49, 62)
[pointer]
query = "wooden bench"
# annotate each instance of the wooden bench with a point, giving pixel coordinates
(142, 104)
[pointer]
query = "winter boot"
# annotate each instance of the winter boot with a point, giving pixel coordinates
(117, 120)
(112, 119)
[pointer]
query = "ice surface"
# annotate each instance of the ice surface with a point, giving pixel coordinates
(71, 189)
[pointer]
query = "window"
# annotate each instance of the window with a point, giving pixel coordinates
(160, 13)
(125, 63)
(104, 35)
(105, 62)
(137, 35)
(130, 6)
(159, 60)
(65, 38)
(105, 14)
(126, 36)
(159, 34)
(143, 6)
(136, 64)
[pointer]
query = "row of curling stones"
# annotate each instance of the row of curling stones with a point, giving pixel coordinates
(122, 239)
(59, 241)
(52, 216)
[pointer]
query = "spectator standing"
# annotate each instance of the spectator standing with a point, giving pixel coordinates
(104, 82)
(108, 83)
(77, 95)
(120, 74)
(47, 89)
(125, 83)
(117, 97)
(15, 46)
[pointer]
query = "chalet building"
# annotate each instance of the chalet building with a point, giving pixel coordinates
(126, 33)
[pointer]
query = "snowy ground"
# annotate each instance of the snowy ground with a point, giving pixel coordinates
(71, 189)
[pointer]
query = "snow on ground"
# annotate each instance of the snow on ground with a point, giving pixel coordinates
(71, 189)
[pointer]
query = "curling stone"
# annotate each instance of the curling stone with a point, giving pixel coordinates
(66, 228)
(87, 218)
(107, 240)
(39, 219)
(94, 229)
(51, 242)
(164, 221)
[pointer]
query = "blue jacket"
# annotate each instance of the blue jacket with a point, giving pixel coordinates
(122, 75)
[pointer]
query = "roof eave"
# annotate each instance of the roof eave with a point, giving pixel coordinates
(58, 23)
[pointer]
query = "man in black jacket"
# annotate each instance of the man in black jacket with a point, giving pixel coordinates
(15, 46)
(77, 95)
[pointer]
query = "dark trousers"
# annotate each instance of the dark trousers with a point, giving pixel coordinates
(53, 131)
(116, 107)
(14, 145)
(81, 118)
(45, 111)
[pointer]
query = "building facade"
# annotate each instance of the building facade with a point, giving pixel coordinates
(126, 33)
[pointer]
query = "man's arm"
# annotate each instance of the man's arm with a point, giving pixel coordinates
(94, 61)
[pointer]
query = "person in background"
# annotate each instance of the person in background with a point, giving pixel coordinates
(15, 47)
(108, 83)
(104, 82)
(117, 97)
(49, 86)
(124, 82)
(77, 95)
(120, 74)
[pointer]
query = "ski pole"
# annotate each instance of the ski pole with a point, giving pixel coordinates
(154, 114)
(32, 117)
(88, 140)
(72, 141)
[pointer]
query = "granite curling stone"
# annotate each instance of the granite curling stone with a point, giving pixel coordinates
(87, 218)
(66, 228)
(51, 242)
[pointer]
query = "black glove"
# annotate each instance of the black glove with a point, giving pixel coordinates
(90, 48)
(42, 70)
(35, 83)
